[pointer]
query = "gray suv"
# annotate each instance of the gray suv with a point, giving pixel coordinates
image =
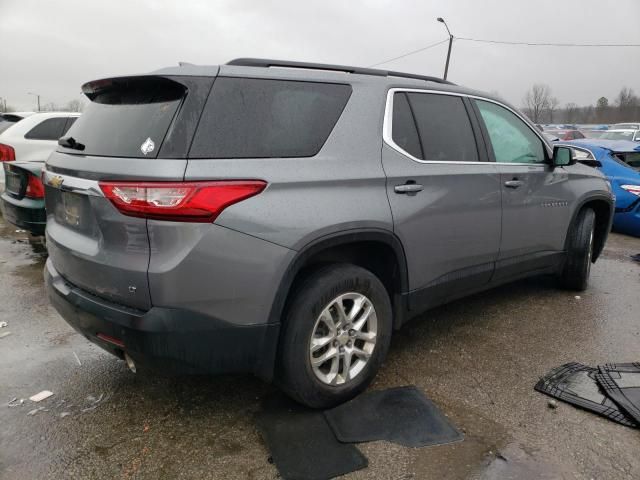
(284, 218)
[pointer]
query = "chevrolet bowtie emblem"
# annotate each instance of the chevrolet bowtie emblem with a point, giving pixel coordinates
(56, 181)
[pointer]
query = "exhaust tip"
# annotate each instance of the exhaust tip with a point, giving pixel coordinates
(130, 363)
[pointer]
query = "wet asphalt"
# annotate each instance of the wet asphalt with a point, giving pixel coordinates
(477, 359)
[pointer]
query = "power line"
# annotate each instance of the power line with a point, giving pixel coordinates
(507, 42)
(536, 44)
(410, 53)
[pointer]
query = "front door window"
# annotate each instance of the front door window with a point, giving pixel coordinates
(511, 138)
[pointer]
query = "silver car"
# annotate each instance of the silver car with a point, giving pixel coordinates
(284, 218)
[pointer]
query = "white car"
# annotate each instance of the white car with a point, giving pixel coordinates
(626, 126)
(622, 134)
(35, 137)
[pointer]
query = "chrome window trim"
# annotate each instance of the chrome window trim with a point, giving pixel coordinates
(387, 128)
(584, 149)
(72, 184)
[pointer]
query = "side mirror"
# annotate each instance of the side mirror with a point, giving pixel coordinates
(562, 156)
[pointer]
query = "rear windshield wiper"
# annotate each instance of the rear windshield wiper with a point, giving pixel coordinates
(70, 142)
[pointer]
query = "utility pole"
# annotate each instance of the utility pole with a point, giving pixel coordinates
(38, 97)
(446, 66)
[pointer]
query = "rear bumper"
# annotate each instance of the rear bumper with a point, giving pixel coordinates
(27, 213)
(168, 339)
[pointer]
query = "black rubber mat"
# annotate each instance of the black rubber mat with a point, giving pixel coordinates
(576, 384)
(621, 382)
(302, 444)
(401, 415)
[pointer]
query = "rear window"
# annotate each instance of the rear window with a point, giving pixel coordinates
(10, 117)
(4, 125)
(127, 117)
(257, 118)
(49, 129)
(632, 159)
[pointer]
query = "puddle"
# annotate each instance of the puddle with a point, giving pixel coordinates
(19, 249)
(513, 463)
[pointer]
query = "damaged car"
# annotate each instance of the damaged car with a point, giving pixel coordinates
(23, 196)
(619, 160)
(285, 218)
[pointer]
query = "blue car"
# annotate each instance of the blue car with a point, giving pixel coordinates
(619, 160)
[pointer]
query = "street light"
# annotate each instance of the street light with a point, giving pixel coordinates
(446, 66)
(38, 96)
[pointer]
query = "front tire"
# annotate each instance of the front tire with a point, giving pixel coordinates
(336, 335)
(577, 267)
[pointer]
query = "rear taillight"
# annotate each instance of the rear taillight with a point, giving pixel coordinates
(35, 187)
(180, 201)
(7, 153)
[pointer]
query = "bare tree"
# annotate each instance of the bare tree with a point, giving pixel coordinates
(628, 104)
(626, 98)
(50, 107)
(571, 112)
(552, 107)
(74, 105)
(537, 101)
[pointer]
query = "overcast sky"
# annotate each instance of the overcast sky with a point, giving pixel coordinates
(53, 47)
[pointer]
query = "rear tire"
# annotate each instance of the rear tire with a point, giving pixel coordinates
(336, 335)
(575, 274)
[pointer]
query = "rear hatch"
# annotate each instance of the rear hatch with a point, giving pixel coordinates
(135, 129)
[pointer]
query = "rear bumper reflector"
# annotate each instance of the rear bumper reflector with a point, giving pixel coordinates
(108, 338)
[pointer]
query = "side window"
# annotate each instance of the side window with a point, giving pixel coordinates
(255, 118)
(444, 127)
(405, 134)
(49, 129)
(511, 138)
(67, 126)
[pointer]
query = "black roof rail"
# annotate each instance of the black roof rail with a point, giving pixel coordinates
(264, 62)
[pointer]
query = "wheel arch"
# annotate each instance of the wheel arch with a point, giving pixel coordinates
(603, 208)
(349, 246)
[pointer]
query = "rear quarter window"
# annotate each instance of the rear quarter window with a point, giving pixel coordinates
(261, 118)
(67, 126)
(49, 129)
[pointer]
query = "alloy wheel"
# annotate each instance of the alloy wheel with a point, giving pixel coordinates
(343, 338)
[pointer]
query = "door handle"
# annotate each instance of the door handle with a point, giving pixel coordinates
(513, 183)
(409, 188)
